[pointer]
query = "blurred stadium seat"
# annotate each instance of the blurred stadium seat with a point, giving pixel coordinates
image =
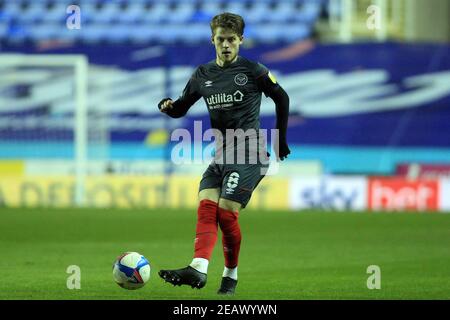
(45, 20)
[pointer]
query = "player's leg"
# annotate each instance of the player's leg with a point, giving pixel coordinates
(237, 188)
(228, 213)
(206, 229)
(195, 274)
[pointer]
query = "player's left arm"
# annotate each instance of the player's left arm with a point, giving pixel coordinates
(269, 85)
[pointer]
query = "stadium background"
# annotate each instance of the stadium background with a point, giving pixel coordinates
(369, 83)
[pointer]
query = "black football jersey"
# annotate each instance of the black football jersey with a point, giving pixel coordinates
(232, 93)
(233, 97)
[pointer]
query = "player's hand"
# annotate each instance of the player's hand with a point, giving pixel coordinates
(282, 150)
(165, 105)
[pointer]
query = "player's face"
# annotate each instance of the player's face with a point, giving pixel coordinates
(227, 45)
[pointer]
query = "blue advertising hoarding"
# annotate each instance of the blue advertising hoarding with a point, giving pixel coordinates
(358, 107)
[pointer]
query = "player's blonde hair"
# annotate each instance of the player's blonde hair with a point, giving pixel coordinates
(229, 21)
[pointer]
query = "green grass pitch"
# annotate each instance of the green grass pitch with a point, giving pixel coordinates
(284, 255)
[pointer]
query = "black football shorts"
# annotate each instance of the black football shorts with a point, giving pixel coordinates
(236, 181)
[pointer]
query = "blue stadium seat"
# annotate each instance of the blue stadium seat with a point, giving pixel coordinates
(56, 13)
(88, 12)
(295, 32)
(65, 34)
(236, 7)
(211, 8)
(43, 32)
(18, 33)
(34, 12)
(144, 33)
(94, 32)
(5, 17)
(280, 32)
(283, 12)
(258, 13)
(201, 17)
(13, 8)
(197, 33)
(157, 13)
(171, 34)
(4, 28)
(107, 13)
(166, 21)
(117, 34)
(265, 32)
(309, 12)
(135, 12)
(181, 14)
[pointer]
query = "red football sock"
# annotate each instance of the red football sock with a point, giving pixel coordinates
(231, 236)
(206, 231)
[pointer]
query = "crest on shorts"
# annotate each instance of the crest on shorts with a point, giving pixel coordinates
(241, 79)
(233, 181)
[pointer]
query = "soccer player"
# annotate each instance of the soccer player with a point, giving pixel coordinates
(231, 86)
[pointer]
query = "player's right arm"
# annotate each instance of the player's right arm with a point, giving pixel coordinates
(180, 107)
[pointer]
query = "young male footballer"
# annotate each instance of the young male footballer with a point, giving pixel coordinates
(231, 86)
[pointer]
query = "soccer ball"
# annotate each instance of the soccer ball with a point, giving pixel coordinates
(131, 270)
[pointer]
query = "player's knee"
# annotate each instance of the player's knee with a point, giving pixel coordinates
(207, 212)
(209, 194)
(229, 205)
(228, 222)
(207, 219)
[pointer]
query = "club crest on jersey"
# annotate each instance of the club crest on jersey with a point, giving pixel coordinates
(241, 79)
